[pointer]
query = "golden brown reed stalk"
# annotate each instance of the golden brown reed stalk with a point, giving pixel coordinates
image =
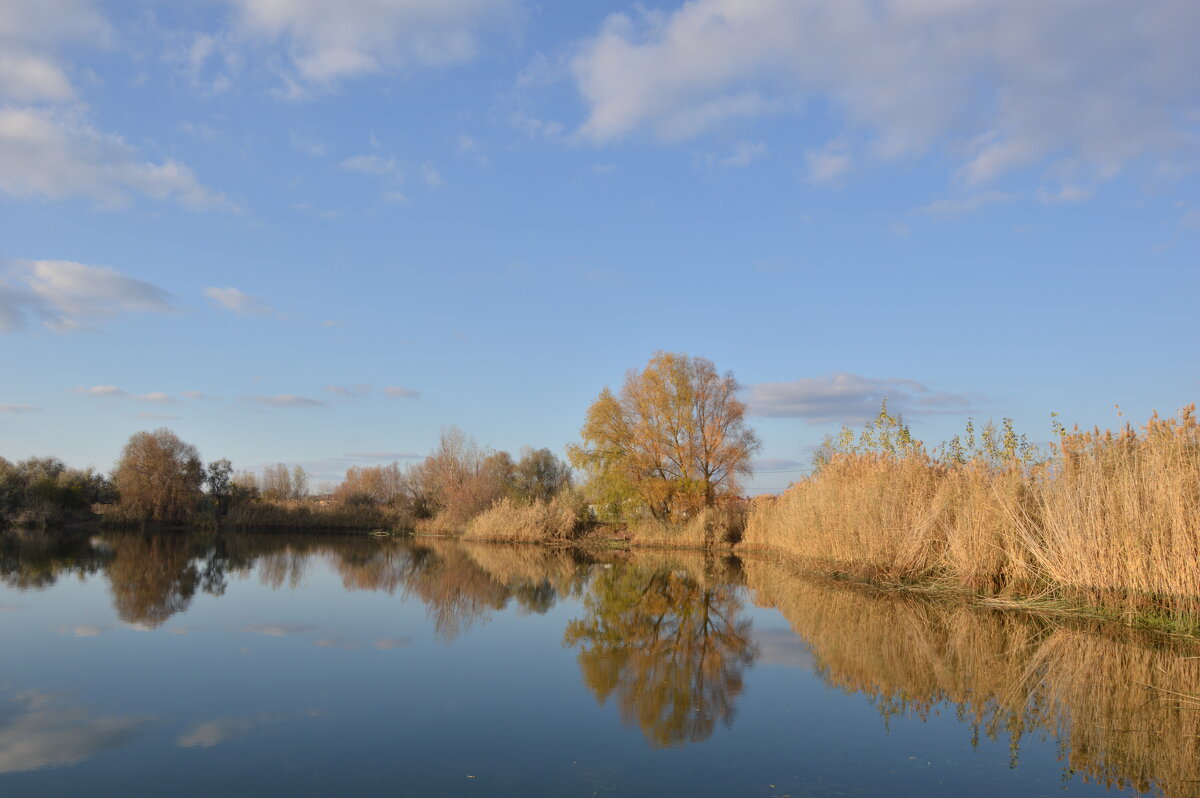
(1113, 520)
(535, 522)
(1114, 699)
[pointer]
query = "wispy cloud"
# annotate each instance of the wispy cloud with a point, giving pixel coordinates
(744, 153)
(66, 296)
(992, 91)
(31, 35)
(286, 400)
(957, 206)
(396, 392)
(325, 43)
(21, 409)
(828, 164)
(237, 301)
(374, 165)
(56, 155)
(349, 391)
(380, 456)
(849, 399)
(113, 392)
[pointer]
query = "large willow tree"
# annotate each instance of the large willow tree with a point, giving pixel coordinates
(158, 477)
(674, 439)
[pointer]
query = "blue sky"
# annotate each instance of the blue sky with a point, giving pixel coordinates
(317, 233)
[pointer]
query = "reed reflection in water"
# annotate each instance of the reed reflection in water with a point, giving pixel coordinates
(1125, 708)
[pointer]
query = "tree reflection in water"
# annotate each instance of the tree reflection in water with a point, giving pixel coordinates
(670, 649)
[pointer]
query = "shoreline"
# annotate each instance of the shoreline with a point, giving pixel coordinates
(1054, 603)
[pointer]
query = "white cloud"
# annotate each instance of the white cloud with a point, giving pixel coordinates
(30, 33)
(1063, 195)
(108, 391)
(286, 400)
(157, 398)
(237, 301)
(21, 409)
(848, 399)
(997, 84)
(828, 163)
(536, 128)
(197, 395)
(328, 42)
(1190, 219)
(349, 392)
(744, 154)
(431, 176)
(67, 296)
(374, 165)
(395, 391)
(58, 156)
(113, 392)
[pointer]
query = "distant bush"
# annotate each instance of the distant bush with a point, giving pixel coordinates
(43, 490)
(309, 515)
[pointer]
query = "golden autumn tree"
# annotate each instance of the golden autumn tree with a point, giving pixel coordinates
(158, 477)
(674, 439)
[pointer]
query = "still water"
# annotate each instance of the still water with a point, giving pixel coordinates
(178, 665)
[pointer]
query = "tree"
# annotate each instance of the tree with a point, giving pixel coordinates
(539, 476)
(674, 439)
(219, 478)
(159, 476)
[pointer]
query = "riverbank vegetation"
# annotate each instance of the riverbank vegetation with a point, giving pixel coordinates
(1099, 518)
(1109, 519)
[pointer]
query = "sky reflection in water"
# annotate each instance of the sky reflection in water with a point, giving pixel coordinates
(148, 665)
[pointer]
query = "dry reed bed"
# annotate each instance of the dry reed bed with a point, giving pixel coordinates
(1112, 520)
(1119, 703)
(536, 522)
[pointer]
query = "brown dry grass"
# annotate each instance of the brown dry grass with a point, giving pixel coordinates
(710, 527)
(1112, 520)
(536, 522)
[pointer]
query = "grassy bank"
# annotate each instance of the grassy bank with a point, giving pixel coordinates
(1111, 520)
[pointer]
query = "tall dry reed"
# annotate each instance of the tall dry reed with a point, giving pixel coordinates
(1112, 519)
(534, 522)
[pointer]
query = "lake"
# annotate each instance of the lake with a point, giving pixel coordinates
(185, 665)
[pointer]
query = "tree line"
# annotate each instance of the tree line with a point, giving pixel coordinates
(671, 442)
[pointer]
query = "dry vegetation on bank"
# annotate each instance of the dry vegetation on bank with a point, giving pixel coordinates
(1111, 519)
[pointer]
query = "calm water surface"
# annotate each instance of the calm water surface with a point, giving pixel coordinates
(179, 665)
